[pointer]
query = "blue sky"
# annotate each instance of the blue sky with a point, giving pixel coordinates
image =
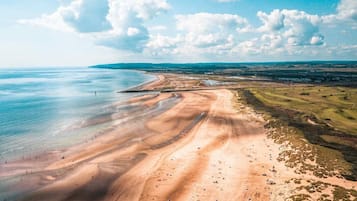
(88, 32)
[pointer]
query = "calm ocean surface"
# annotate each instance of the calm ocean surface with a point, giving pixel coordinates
(47, 109)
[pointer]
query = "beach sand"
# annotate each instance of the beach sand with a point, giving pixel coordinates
(187, 145)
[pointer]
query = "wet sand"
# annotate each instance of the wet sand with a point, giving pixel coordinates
(187, 145)
(195, 150)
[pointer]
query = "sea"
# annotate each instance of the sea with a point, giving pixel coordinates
(46, 109)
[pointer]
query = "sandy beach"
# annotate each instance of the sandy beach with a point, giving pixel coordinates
(185, 145)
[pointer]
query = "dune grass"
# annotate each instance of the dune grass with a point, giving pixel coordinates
(297, 117)
(335, 106)
(309, 143)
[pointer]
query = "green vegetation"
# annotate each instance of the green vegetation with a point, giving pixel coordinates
(319, 189)
(335, 106)
(300, 197)
(341, 193)
(298, 120)
(303, 156)
(339, 140)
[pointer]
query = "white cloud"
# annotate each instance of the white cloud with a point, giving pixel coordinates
(347, 9)
(157, 28)
(297, 27)
(126, 16)
(82, 16)
(205, 30)
(115, 23)
(199, 35)
(125, 13)
(207, 35)
(163, 45)
(317, 40)
(283, 34)
(303, 28)
(272, 41)
(271, 22)
(208, 22)
(55, 20)
(346, 14)
(133, 39)
(123, 24)
(249, 47)
(87, 16)
(342, 51)
(133, 31)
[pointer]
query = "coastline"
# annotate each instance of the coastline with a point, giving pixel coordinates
(183, 145)
(144, 84)
(15, 169)
(41, 114)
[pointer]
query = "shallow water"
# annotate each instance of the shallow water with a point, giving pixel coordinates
(47, 109)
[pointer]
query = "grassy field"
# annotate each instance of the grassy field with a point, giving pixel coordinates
(316, 127)
(335, 106)
(322, 118)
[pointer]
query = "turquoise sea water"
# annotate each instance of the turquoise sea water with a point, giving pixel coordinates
(47, 109)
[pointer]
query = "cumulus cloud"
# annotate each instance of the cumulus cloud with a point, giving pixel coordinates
(163, 45)
(115, 23)
(157, 28)
(87, 16)
(55, 20)
(127, 19)
(272, 41)
(199, 34)
(303, 28)
(126, 25)
(271, 22)
(209, 22)
(296, 27)
(346, 12)
(347, 9)
(131, 39)
(209, 35)
(207, 29)
(82, 16)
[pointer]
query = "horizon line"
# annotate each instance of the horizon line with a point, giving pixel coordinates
(180, 63)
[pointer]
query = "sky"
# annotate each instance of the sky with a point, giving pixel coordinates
(87, 32)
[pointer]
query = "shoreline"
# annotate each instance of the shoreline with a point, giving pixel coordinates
(179, 145)
(146, 83)
(28, 166)
(87, 120)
